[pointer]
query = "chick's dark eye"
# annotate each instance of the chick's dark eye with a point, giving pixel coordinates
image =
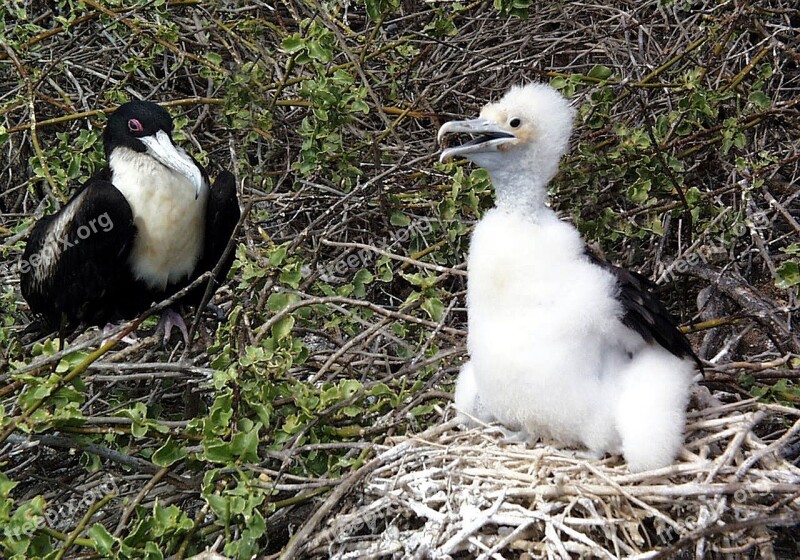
(514, 123)
(135, 126)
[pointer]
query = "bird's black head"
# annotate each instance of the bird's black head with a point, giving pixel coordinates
(132, 121)
(146, 129)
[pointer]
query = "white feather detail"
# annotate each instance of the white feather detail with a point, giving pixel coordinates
(170, 221)
(54, 241)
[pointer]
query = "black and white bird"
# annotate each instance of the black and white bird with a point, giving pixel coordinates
(562, 345)
(143, 229)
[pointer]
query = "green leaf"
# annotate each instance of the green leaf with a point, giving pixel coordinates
(245, 444)
(282, 327)
(220, 415)
(374, 8)
(359, 106)
(788, 275)
(104, 541)
(600, 72)
(363, 276)
(318, 51)
(219, 505)
(558, 83)
(169, 520)
(70, 361)
(793, 249)
(293, 44)
(380, 389)
(433, 307)
(361, 279)
(168, 454)
(279, 301)
(759, 99)
(639, 191)
(74, 169)
(217, 450)
(292, 277)
(399, 219)
(6, 485)
(277, 255)
(349, 387)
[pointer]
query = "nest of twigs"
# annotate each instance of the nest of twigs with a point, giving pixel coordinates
(449, 493)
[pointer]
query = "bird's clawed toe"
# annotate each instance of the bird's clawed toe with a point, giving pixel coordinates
(171, 319)
(129, 338)
(513, 435)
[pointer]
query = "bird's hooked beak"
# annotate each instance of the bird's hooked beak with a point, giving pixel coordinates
(160, 146)
(489, 136)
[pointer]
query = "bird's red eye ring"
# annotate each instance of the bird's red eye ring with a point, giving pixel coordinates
(135, 126)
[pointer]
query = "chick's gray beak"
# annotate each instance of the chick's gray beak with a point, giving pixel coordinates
(489, 136)
(160, 146)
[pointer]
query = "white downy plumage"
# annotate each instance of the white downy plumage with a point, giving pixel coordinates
(168, 210)
(553, 353)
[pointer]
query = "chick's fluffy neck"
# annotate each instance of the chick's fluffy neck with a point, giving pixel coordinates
(517, 192)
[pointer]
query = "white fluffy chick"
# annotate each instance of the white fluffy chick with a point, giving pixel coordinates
(562, 345)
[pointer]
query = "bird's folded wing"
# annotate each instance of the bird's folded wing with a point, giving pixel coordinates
(222, 214)
(74, 261)
(644, 313)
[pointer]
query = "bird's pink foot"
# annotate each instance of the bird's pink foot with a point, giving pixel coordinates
(129, 338)
(169, 320)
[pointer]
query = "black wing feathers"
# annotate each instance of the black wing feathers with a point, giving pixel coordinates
(76, 275)
(644, 312)
(222, 216)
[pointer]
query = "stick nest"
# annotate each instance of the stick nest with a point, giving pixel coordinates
(449, 493)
